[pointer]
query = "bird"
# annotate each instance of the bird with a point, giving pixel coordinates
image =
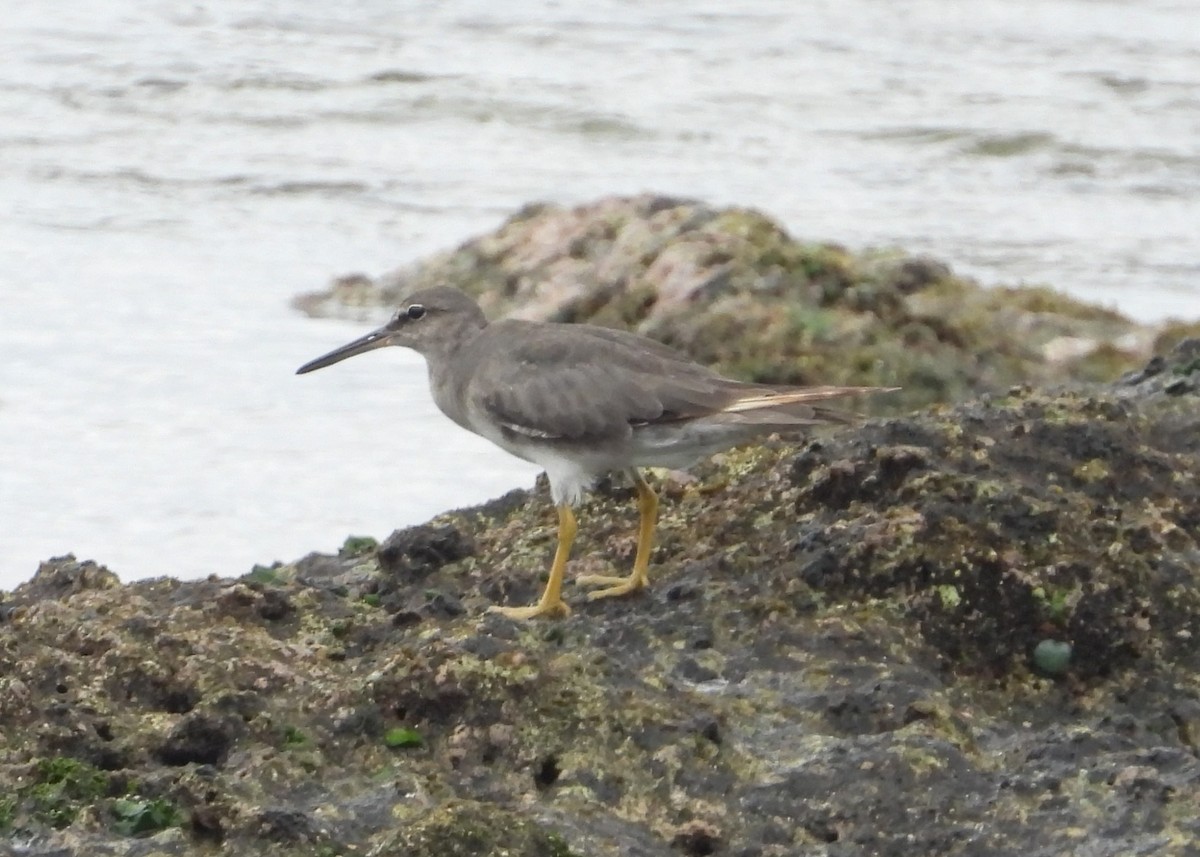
(582, 401)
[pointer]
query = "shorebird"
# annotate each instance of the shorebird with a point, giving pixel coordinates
(581, 401)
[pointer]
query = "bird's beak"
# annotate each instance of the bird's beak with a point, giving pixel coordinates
(374, 339)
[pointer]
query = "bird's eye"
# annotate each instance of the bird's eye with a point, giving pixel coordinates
(415, 311)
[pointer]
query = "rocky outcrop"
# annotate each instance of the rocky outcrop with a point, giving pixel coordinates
(732, 288)
(966, 631)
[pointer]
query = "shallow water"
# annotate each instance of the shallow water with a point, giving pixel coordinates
(170, 177)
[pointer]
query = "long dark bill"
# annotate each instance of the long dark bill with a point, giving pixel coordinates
(374, 339)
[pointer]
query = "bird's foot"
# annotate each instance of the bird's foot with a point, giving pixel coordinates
(556, 609)
(613, 586)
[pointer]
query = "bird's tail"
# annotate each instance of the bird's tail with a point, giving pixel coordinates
(781, 408)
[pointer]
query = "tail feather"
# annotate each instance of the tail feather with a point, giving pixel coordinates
(794, 406)
(796, 417)
(751, 413)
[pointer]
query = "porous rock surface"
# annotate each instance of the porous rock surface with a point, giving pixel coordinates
(836, 658)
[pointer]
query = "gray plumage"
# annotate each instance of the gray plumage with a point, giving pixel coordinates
(581, 400)
(550, 383)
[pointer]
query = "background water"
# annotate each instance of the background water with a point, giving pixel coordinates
(170, 175)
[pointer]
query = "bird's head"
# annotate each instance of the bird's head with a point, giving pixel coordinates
(427, 321)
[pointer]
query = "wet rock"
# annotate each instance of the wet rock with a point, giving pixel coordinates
(443, 605)
(288, 826)
(689, 670)
(1024, 525)
(197, 739)
(413, 554)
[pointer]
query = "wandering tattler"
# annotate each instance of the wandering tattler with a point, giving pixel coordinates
(580, 401)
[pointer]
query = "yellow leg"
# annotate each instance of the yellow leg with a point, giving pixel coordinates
(637, 580)
(551, 603)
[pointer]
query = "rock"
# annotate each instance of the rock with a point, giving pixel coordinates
(834, 656)
(735, 290)
(64, 576)
(197, 739)
(410, 555)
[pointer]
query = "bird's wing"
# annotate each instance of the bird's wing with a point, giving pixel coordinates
(576, 381)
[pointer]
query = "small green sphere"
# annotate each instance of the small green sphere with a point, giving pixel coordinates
(1052, 656)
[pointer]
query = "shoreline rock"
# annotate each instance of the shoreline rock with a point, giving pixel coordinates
(733, 289)
(968, 630)
(837, 656)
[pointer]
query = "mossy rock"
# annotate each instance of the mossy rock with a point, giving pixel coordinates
(842, 650)
(472, 829)
(734, 290)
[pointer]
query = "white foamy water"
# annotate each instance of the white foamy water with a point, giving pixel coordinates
(170, 176)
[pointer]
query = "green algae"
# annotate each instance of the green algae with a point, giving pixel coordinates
(400, 737)
(136, 816)
(358, 546)
(60, 787)
(265, 575)
(294, 738)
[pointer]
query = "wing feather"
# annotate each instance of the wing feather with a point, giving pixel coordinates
(581, 382)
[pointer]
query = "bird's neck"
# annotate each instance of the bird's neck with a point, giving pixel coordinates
(443, 350)
(450, 369)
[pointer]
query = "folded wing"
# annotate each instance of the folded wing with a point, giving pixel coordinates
(580, 382)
